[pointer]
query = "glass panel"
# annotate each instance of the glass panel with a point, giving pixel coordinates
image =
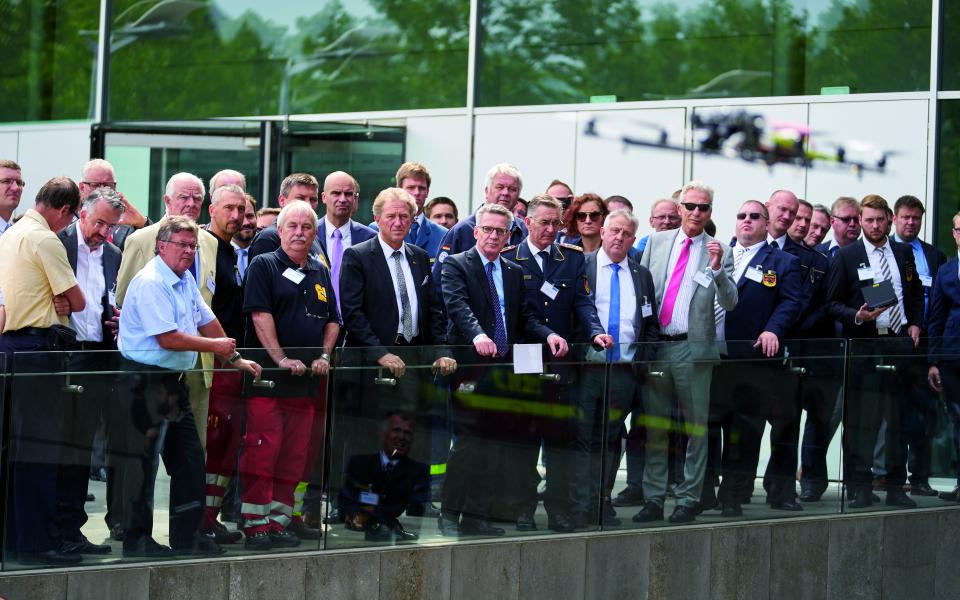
(568, 51)
(174, 60)
(470, 448)
(948, 177)
(50, 50)
(886, 423)
(949, 46)
(942, 406)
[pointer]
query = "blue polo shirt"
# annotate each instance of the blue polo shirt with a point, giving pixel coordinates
(159, 301)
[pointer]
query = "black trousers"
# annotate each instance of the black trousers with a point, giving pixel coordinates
(156, 421)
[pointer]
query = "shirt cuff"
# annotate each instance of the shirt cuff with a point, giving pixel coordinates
(482, 335)
(716, 273)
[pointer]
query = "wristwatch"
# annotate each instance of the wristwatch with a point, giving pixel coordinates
(325, 357)
(236, 356)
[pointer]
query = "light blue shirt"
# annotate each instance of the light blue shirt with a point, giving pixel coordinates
(923, 269)
(159, 301)
(498, 282)
(642, 243)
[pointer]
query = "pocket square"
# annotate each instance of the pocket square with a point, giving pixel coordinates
(424, 282)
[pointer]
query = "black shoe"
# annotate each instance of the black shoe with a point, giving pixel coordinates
(91, 497)
(684, 514)
(258, 542)
(790, 504)
(650, 512)
(221, 535)
(559, 523)
(951, 496)
(402, 535)
(472, 526)
(202, 546)
(525, 522)
(897, 497)
(922, 489)
(300, 529)
(861, 498)
(629, 497)
(608, 516)
(49, 557)
(427, 510)
(731, 509)
(809, 496)
(146, 547)
(84, 546)
(709, 502)
(284, 539)
(448, 527)
(334, 517)
(117, 533)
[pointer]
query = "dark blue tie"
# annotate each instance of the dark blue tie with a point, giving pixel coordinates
(412, 236)
(499, 331)
(613, 321)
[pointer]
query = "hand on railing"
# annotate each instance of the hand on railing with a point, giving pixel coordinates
(445, 365)
(769, 343)
(558, 345)
(393, 363)
(933, 378)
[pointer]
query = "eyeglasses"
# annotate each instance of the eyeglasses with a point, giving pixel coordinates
(192, 246)
(9, 181)
(497, 231)
(956, 229)
(753, 216)
(666, 218)
(845, 220)
(101, 184)
(546, 222)
(593, 215)
(98, 224)
(692, 206)
(186, 197)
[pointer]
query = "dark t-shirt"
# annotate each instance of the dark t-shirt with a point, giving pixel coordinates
(228, 294)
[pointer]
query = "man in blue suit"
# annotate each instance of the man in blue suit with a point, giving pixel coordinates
(769, 300)
(845, 221)
(414, 179)
(503, 186)
(943, 375)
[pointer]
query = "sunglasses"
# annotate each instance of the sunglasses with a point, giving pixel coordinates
(593, 215)
(691, 206)
(753, 216)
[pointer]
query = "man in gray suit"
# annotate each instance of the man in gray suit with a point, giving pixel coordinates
(95, 262)
(691, 270)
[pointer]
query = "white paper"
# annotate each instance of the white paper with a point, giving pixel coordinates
(926, 280)
(549, 290)
(754, 275)
(865, 273)
(527, 358)
(294, 276)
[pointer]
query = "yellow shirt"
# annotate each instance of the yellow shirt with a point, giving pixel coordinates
(33, 269)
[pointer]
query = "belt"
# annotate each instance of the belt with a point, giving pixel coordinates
(38, 331)
(889, 333)
(673, 338)
(399, 340)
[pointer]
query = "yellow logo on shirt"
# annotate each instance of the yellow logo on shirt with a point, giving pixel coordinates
(321, 292)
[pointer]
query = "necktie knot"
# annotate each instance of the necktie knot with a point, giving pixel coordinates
(774, 244)
(615, 267)
(337, 234)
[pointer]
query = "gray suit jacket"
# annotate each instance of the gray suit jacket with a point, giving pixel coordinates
(111, 261)
(701, 318)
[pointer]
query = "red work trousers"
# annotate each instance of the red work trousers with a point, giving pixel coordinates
(224, 428)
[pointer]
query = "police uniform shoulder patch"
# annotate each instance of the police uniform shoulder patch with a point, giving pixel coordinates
(509, 248)
(571, 247)
(444, 253)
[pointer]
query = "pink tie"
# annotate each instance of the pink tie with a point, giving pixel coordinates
(673, 288)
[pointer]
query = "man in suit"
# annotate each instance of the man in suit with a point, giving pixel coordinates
(378, 487)
(623, 293)
(296, 186)
(874, 394)
(769, 297)
(819, 226)
(908, 220)
(664, 216)
(414, 179)
(389, 309)
(943, 373)
(845, 221)
(183, 197)
(487, 309)
(503, 186)
(691, 271)
(95, 261)
(553, 276)
(801, 223)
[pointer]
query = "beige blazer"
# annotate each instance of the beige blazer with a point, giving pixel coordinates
(140, 248)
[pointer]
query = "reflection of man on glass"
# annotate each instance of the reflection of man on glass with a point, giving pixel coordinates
(487, 308)
(378, 487)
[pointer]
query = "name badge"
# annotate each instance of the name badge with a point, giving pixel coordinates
(865, 273)
(211, 284)
(646, 310)
(754, 275)
(293, 275)
(926, 280)
(369, 498)
(549, 290)
(702, 279)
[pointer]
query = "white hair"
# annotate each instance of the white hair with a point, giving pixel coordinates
(495, 209)
(172, 183)
(230, 188)
(295, 206)
(97, 163)
(696, 185)
(504, 169)
(623, 212)
(214, 181)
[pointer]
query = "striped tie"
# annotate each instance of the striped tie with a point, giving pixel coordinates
(896, 320)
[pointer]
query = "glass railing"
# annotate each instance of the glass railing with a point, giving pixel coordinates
(104, 461)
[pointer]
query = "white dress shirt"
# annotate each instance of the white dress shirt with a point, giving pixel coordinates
(681, 309)
(628, 302)
(883, 321)
(88, 322)
(534, 251)
(780, 240)
(408, 280)
(5, 225)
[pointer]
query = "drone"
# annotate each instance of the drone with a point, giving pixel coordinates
(751, 138)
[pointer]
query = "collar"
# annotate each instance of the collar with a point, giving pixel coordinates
(603, 259)
(385, 460)
(344, 229)
(781, 241)
(752, 247)
(484, 260)
(833, 244)
(82, 243)
(166, 273)
(534, 250)
(693, 240)
(388, 250)
(33, 215)
(869, 247)
(914, 244)
(237, 247)
(310, 265)
(5, 224)
(420, 219)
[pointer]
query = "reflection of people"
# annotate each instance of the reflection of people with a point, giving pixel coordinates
(378, 487)
(487, 308)
(293, 324)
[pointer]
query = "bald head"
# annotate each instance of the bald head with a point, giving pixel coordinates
(782, 207)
